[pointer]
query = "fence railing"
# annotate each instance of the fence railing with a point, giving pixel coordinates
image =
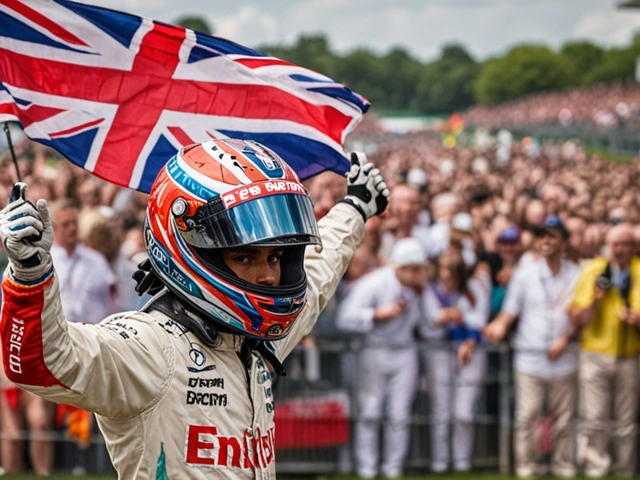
(317, 411)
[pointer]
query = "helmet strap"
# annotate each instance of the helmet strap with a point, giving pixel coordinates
(167, 303)
(269, 355)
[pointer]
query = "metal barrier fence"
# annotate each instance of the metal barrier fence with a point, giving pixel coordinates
(317, 411)
(325, 380)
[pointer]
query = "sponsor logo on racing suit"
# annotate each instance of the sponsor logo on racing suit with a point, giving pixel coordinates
(206, 446)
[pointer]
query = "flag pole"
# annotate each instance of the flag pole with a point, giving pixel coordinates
(13, 153)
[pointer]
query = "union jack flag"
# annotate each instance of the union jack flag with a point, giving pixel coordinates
(119, 94)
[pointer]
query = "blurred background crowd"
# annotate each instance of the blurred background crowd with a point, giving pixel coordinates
(603, 106)
(465, 240)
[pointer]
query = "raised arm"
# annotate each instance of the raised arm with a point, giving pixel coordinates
(93, 367)
(341, 231)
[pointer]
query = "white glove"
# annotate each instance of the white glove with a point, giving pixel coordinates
(27, 236)
(366, 190)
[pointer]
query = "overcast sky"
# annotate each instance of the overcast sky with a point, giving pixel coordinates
(485, 27)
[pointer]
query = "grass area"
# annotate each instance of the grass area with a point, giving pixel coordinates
(609, 155)
(62, 476)
(430, 476)
(442, 476)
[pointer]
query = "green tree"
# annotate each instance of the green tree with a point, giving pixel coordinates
(524, 70)
(398, 77)
(194, 22)
(617, 64)
(456, 53)
(446, 85)
(582, 57)
(361, 71)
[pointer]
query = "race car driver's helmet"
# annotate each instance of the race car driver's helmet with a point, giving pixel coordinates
(223, 194)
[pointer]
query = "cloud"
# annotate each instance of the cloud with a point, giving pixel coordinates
(608, 28)
(486, 28)
(248, 25)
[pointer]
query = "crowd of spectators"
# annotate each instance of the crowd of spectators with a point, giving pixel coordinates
(527, 237)
(463, 239)
(602, 106)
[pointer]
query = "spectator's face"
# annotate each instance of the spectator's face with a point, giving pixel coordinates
(535, 213)
(326, 190)
(550, 243)
(88, 194)
(459, 236)
(256, 265)
(620, 243)
(65, 228)
(412, 276)
(448, 279)
(509, 251)
(405, 205)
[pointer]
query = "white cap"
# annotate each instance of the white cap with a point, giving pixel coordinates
(408, 251)
(480, 165)
(447, 166)
(417, 177)
(462, 222)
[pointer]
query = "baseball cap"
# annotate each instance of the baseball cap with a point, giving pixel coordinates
(417, 178)
(509, 235)
(479, 165)
(447, 166)
(552, 222)
(408, 251)
(462, 222)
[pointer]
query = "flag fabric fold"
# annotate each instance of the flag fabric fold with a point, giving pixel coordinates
(118, 94)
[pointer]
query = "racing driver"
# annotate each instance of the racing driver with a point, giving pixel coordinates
(240, 271)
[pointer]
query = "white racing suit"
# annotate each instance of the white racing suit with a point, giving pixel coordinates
(168, 407)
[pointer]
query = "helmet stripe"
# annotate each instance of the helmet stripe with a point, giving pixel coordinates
(270, 169)
(227, 158)
(239, 299)
(219, 187)
(188, 183)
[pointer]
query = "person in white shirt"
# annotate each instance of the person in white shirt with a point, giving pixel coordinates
(87, 282)
(546, 362)
(384, 306)
(457, 308)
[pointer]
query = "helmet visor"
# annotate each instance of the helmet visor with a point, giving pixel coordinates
(284, 219)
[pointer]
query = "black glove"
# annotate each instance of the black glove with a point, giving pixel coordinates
(366, 190)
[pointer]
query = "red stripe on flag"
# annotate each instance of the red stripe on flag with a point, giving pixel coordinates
(154, 66)
(188, 96)
(21, 333)
(69, 131)
(181, 136)
(37, 113)
(43, 21)
(9, 108)
(262, 62)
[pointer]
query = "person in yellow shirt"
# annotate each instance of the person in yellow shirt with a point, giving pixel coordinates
(607, 306)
